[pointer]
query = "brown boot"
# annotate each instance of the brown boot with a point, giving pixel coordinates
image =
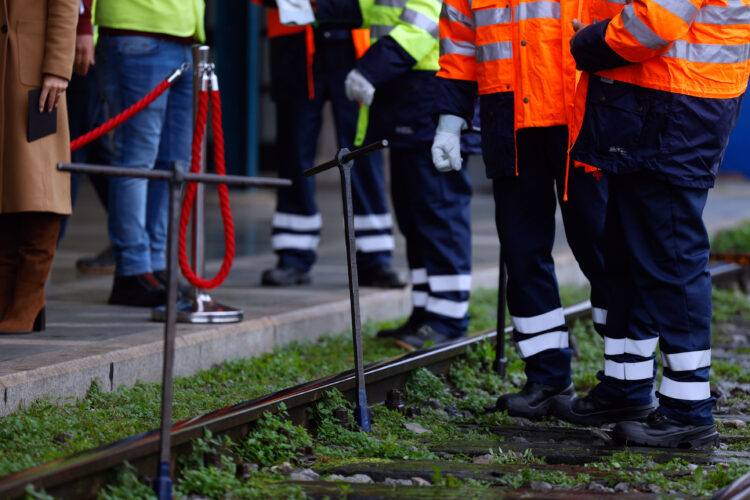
(37, 238)
(8, 259)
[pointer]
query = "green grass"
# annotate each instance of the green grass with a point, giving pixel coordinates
(736, 239)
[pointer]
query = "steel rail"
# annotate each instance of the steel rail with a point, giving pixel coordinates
(82, 475)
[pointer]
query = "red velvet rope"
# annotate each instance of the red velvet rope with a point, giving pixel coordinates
(122, 117)
(187, 205)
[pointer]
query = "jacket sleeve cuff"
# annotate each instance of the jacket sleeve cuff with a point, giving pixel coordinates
(455, 97)
(591, 52)
(338, 13)
(384, 61)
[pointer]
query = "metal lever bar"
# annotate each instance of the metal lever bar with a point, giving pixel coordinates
(165, 175)
(501, 363)
(345, 161)
(346, 158)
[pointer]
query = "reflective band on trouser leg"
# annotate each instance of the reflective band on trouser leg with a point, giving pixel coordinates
(540, 322)
(447, 308)
(419, 288)
(373, 233)
(599, 315)
(687, 391)
(541, 342)
(686, 361)
(644, 348)
(295, 232)
(629, 371)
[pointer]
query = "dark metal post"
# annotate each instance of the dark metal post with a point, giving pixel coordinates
(361, 411)
(164, 482)
(501, 363)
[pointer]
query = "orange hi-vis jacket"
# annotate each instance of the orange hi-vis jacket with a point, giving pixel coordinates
(693, 47)
(360, 37)
(513, 45)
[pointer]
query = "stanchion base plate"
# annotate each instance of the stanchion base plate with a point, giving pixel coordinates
(200, 310)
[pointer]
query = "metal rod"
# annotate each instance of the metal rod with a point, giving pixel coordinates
(361, 411)
(164, 482)
(201, 55)
(349, 156)
(501, 362)
(235, 180)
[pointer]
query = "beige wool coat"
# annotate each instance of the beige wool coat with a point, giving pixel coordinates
(36, 37)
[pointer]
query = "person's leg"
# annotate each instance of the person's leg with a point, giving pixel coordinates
(76, 96)
(373, 225)
(8, 259)
(440, 202)
(130, 67)
(174, 146)
(630, 336)
(37, 239)
(668, 253)
(297, 223)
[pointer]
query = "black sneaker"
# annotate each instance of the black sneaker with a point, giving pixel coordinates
(417, 339)
(183, 291)
(381, 276)
(142, 290)
(664, 432)
(102, 263)
(409, 327)
(590, 410)
(285, 276)
(534, 401)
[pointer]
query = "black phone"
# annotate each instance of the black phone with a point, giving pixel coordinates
(40, 124)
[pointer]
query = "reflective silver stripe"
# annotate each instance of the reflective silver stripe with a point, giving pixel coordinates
(540, 322)
(375, 243)
(391, 3)
(419, 276)
(599, 315)
(537, 10)
(373, 222)
(450, 283)
(450, 13)
(448, 46)
(723, 16)
(543, 342)
(297, 222)
(421, 21)
(688, 391)
(705, 53)
(687, 361)
(419, 298)
(640, 31)
(644, 348)
(447, 308)
(494, 51)
(683, 9)
(380, 30)
(629, 371)
(283, 241)
(487, 17)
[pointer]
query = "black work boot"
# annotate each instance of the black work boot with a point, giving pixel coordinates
(417, 339)
(534, 400)
(142, 290)
(380, 276)
(285, 276)
(590, 410)
(664, 432)
(414, 322)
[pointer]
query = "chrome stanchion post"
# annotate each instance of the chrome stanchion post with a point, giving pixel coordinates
(200, 308)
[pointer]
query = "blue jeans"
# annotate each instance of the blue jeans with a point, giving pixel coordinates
(129, 67)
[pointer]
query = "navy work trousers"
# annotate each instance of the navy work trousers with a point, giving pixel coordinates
(433, 212)
(660, 290)
(297, 222)
(525, 206)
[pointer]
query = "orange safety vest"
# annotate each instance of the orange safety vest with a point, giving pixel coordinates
(513, 45)
(360, 37)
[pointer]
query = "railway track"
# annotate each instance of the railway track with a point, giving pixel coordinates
(537, 449)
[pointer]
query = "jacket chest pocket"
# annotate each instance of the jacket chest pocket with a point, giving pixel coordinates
(30, 38)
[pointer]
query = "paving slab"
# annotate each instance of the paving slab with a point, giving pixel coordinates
(87, 339)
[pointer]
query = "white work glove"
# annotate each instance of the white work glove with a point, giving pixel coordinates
(358, 88)
(446, 147)
(295, 12)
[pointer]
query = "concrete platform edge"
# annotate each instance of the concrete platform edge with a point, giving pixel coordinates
(200, 350)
